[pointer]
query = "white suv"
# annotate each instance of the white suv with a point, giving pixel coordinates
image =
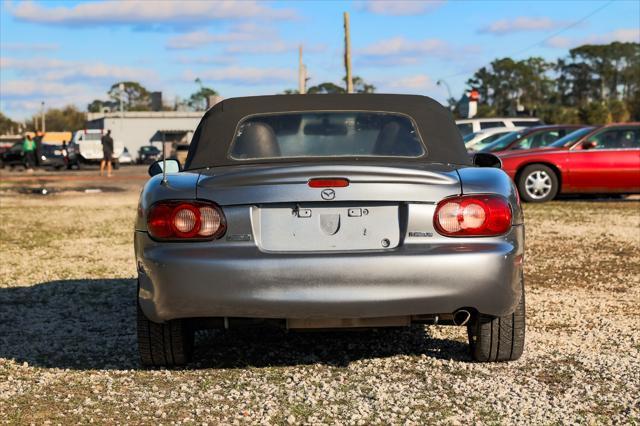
(472, 125)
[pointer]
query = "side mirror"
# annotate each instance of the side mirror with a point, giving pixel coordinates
(173, 166)
(589, 144)
(485, 159)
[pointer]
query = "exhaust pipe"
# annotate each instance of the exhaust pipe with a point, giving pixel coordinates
(461, 317)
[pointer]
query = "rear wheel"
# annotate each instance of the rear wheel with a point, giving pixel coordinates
(494, 339)
(164, 345)
(538, 183)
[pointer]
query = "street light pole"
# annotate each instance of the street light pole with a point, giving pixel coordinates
(44, 126)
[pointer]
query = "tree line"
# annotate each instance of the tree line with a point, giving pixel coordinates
(593, 84)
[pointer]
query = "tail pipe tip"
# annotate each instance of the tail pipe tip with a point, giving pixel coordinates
(461, 317)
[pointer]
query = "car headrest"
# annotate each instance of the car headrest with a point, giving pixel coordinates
(258, 140)
(387, 138)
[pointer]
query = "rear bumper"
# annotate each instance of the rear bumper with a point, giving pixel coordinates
(180, 280)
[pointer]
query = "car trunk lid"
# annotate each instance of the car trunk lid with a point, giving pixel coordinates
(288, 215)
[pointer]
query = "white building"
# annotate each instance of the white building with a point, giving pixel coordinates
(138, 128)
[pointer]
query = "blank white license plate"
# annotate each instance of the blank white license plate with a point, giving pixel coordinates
(319, 228)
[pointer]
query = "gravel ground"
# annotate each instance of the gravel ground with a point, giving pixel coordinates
(67, 342)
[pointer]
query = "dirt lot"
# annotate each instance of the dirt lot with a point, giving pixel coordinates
(67, 332)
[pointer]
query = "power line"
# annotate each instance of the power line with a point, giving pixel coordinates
(549, 37)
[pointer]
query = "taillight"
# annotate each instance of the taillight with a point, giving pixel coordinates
(473, 216)
(191, 220)
(328, 183)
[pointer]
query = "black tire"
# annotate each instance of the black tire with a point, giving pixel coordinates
(495, 339)
(115, 164)
(164, 345)
(538, 173)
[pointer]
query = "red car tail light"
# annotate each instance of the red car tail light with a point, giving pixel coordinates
(473, 216)
(186, 220)
(328, 183)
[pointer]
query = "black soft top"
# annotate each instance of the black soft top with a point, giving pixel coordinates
(215, 133)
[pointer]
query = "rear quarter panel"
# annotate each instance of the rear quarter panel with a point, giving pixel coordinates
(484, 180)
(180, 186)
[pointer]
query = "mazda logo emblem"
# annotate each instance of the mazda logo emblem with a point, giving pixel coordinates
(328, 194)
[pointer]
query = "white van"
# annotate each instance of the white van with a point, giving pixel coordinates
(86, 147)
(471, 125)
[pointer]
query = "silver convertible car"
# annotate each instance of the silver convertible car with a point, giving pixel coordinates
(325, 212)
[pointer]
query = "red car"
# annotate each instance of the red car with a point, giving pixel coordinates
(605, 160)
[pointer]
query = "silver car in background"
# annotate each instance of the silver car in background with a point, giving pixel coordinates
(477, 140)
(325, 212)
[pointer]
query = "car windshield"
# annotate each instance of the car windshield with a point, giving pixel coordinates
(501, 143)
(150, 149)
(571, 138)
(326, 134)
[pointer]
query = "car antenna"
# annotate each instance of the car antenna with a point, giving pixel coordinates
(164, 181)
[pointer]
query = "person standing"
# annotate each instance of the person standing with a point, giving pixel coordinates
(107, 153)
(29, 152)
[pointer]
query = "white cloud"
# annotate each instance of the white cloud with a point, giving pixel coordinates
(135, 12)
(273, 46)
(400, 7)
(206, 60)
(520, 24)
(622, 35)
(245, 75)
(22, 98)
(238, 33)
(414, 82)
(30, 88)
(401, 46)
(50, 69)
(24, 82)
(28, 47)
(399, 51)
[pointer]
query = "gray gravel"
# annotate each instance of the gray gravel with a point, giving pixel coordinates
(67, 337)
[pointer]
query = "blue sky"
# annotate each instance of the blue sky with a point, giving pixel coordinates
(66, 52)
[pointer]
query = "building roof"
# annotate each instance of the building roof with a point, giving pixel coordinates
(91, 116)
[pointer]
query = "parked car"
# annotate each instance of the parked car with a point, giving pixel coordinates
(125, 157)
(49, 156)
(85, 147)
(148, 154)
(605, 160)
(321, 211)
(531, 138)
(13, 156)
(52, 156)
(477, 140)
(471, 125)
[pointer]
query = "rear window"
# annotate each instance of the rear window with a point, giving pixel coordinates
(491, 124)
(465, 128)
(527, 123)
(571, 138)
(326, 134)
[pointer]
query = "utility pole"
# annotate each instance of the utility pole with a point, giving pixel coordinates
(347, 53)
(44, 126)
(302, 74)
